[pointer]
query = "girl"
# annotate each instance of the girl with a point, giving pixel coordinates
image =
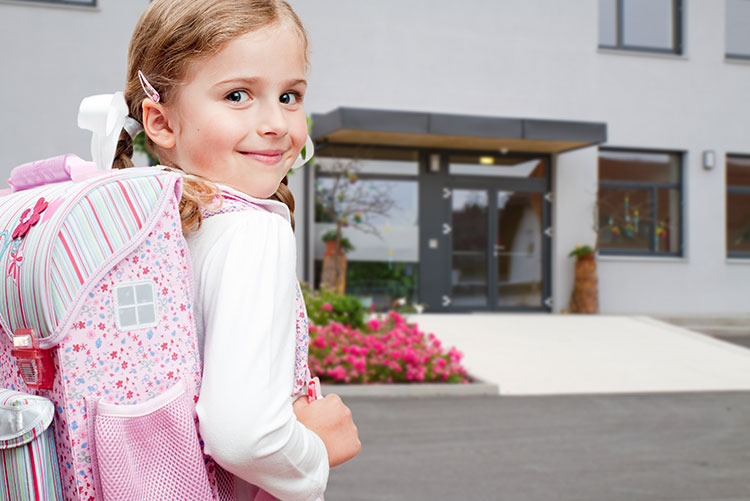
(218, 86)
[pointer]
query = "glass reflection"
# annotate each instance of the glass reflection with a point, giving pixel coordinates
(383, 267)
(648, 23)
(737, 34)
(625, 219)
(738, 222)
(496, 166)
(518, 249)
(469, 256)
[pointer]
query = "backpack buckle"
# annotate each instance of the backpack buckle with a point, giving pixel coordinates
(34, 363)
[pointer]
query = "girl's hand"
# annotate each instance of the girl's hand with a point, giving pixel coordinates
(332, 421)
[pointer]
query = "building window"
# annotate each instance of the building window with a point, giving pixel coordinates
(738, 206)
(643, 25)
(738, 36)
(640, 203)
(135, 306)
(85, 3)
(497, 166)
(376, 192)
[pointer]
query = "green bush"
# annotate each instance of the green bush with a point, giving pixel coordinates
(325, 306)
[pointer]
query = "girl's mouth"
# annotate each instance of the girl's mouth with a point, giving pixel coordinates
(267, 157)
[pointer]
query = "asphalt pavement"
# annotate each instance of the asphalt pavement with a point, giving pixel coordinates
(623, 447)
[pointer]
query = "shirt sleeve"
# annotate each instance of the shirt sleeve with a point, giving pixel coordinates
(247, 288)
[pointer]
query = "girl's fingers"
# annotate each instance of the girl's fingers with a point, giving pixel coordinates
(300, 404)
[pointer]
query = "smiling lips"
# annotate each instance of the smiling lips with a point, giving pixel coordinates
(267, 157)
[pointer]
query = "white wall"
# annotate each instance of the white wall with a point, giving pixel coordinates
(511, 58)
(573, 212)
(51, 58)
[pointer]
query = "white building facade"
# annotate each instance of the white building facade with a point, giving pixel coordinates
(497, 134)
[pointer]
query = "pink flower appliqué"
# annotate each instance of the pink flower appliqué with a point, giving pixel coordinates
(14, 268)
(29, 218)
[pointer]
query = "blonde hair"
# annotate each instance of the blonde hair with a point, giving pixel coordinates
(169, 36)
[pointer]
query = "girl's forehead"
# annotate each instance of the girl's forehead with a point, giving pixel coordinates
(275, 49)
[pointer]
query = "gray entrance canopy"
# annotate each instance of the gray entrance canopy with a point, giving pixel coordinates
(447, 131)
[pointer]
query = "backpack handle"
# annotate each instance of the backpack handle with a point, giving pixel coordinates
(50, 170)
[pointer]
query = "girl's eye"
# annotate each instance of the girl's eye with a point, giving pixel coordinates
(238, 96)
(290, 98)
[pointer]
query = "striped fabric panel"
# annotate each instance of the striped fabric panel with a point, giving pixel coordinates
(32, 264)
(31, 472)
(101, 223)
(85, 223)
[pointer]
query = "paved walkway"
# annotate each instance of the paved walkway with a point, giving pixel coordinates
(579, 354)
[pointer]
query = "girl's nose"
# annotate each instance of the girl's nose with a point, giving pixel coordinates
(272, 120)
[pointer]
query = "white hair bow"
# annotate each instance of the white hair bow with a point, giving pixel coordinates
(104, 115)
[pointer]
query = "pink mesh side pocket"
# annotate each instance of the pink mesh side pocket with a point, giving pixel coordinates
(150, 451)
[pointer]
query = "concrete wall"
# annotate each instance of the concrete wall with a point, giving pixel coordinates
(531, 58)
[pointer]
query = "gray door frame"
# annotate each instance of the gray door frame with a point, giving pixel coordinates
(435, 241)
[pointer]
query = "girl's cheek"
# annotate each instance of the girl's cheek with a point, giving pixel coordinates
(300, 134)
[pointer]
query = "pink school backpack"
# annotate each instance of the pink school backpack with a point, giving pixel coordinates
(96, 307)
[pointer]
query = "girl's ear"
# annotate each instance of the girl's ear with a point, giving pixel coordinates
(156, 125)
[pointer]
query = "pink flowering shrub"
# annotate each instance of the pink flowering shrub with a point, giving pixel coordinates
(386, 350)
(325, 306)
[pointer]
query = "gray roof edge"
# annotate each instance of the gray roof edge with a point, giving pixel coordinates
(381, 120)
(565, 130)
(475, 125)
(371, 119)
(325, 123)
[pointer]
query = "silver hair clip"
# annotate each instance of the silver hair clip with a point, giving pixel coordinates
(132, 126)
(148, 88)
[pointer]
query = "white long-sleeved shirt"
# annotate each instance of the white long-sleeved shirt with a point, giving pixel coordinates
(245, 285)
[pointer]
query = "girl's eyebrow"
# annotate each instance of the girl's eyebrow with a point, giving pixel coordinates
(254, 80)
(299, 81)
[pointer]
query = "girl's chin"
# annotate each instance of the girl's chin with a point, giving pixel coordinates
(259, 192)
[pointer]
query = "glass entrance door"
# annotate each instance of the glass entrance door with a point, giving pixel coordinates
(469, 265)
(499, 250)
(497, 253)
(517, 249)
(484, 224)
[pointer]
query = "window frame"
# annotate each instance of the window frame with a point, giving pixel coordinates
(315, 175)
(677, 27)
(733, 55)
(653, 188)
(89, 4)
(737, 190)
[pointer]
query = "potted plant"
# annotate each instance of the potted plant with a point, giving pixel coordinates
(334, 260)
(585, 296)
(336, 244)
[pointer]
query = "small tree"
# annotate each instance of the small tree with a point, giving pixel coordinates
(347, 202)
